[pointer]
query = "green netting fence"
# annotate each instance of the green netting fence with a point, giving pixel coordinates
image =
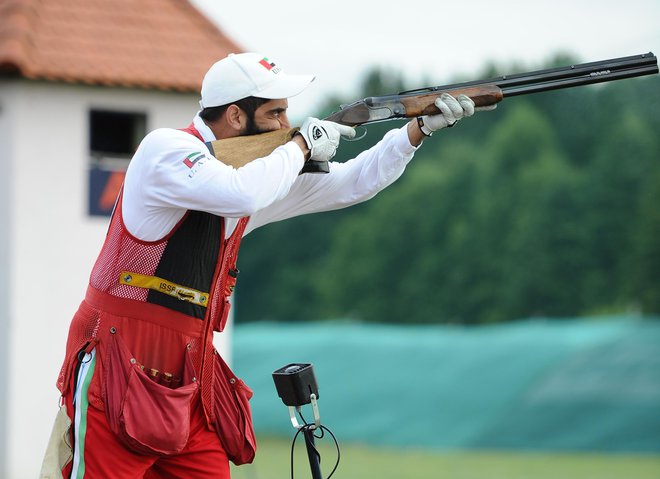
(591, 385)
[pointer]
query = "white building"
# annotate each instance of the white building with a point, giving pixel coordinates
(80, 84)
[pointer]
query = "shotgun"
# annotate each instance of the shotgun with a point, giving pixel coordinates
(409, 104)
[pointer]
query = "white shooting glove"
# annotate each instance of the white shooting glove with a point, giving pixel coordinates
(451, 110)
(322, 137)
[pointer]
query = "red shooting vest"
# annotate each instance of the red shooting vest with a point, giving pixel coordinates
(163, 297)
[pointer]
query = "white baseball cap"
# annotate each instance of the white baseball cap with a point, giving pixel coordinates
(240, 75)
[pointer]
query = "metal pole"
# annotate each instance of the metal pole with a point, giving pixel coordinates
(312, 453)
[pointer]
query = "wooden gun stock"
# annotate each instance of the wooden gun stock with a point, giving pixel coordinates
(240, 150)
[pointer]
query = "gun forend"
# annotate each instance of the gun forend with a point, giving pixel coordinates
(424, 104)
(390, 107)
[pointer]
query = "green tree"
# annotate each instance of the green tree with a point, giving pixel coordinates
(519, 143)
(385, 260)
(643, 287)
(620, 170)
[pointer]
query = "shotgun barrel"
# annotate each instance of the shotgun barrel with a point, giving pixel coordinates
(417, 102)
(569, 76)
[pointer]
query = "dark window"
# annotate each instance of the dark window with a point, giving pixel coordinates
(115, 133)
(113, 138)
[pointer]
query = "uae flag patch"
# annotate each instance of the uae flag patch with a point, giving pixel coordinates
(267, 64)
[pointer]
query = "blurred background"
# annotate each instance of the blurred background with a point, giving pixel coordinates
(493, 314)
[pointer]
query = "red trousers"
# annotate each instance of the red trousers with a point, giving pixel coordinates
(98, 454)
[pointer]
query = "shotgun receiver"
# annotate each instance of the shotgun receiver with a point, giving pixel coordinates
(413, 103)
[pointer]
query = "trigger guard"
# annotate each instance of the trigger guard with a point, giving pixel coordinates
(358, 137)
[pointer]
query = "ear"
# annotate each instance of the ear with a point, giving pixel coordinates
(235, 117)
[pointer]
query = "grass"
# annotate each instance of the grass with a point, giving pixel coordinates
(359, 461)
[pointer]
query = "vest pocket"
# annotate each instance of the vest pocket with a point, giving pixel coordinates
(233, 417)
(220, 320)
(149, 418)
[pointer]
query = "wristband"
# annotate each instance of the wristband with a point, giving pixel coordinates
(422, 127)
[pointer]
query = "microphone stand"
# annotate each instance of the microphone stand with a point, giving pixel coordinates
(308, 432)
(312, 454)
(296, 385)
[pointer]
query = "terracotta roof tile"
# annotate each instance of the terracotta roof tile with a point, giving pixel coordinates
(162, 44)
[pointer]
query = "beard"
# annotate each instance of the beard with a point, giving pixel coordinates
(251, 127)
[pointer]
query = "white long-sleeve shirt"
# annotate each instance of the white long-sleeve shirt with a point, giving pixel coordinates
(173, 172)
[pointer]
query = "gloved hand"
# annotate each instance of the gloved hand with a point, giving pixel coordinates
(451, 110)
(322, 137)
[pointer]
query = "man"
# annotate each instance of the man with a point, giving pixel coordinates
(146, 392)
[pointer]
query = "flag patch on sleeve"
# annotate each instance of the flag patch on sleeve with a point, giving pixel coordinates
(192, 158)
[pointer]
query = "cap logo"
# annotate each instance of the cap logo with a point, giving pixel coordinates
(268, 65)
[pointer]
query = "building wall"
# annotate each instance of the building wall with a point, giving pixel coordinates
(49, 242)
(6, 169)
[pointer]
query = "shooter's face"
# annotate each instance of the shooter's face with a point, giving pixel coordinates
(268, 117)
